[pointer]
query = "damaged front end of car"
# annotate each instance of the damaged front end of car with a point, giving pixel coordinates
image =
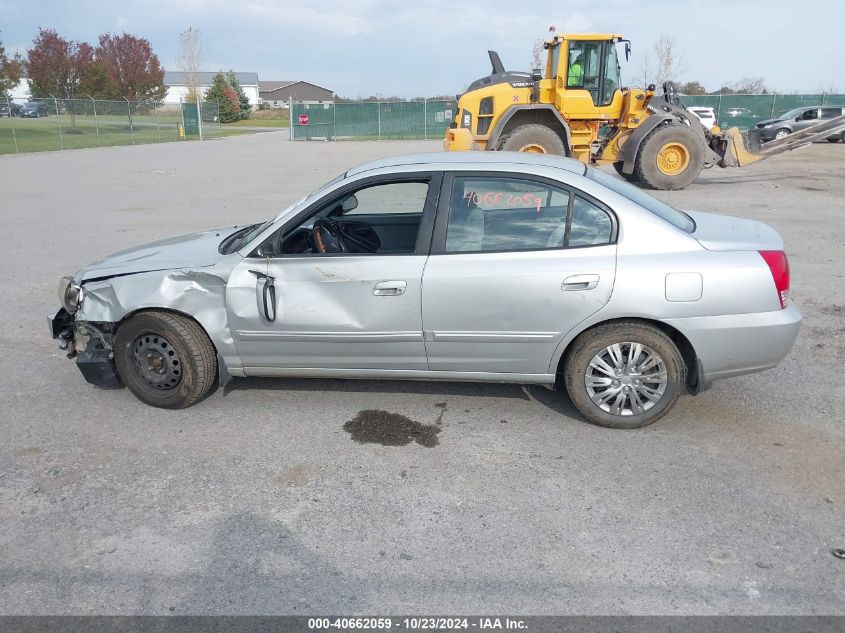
(88, 343)
(186, 275)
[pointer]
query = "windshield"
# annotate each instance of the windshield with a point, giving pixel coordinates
(662, 210)
(241, 238)
(791, 114)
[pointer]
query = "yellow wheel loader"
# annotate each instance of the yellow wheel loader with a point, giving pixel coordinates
(578, 107)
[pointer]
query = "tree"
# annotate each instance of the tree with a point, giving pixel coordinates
(692, 88)
(57, 66)
(10, 71)
(662, 63)
(750, 86)
(221, 92)
(60, 68)
(128, 68)
(190, 59)
(724, 90)
(244, 105)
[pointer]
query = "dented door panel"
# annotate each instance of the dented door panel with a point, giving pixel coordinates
(330, 312)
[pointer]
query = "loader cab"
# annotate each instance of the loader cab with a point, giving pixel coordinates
(586, 73)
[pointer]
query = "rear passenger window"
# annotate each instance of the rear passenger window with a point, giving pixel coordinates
(831, 113)
(512, 214)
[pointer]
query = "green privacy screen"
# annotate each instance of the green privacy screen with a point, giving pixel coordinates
(382, 120)
(429, 119)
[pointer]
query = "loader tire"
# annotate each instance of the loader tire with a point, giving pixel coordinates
(533, 138)
(629, 177)
(670, 157)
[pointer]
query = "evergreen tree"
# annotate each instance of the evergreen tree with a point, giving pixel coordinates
(243, 101)
(222, 93)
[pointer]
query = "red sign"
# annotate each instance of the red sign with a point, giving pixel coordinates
(303, 119)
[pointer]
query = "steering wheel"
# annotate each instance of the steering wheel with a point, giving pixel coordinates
(326, 237)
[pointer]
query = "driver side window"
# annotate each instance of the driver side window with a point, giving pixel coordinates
(374, 219)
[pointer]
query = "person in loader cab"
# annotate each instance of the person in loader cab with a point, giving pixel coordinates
(576, 73)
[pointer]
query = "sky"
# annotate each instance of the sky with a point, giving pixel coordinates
(435, 47)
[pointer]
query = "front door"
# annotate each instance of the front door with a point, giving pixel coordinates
(341, 288)
(516, 263)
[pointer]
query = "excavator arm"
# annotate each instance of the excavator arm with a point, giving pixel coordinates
(739, 149)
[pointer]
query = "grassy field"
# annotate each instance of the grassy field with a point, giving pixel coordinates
(54, 133)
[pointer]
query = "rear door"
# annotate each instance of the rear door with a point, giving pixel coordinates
(516, 262)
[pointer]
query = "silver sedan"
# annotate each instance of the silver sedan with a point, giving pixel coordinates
(498, 267)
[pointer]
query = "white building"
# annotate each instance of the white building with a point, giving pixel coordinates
(177, 87)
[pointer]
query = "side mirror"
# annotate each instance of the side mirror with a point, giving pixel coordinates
(267, 249)
(798, 118)
(350, 203)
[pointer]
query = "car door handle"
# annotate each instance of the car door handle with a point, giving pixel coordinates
(265, 294)
(389, 288)
(580, 282)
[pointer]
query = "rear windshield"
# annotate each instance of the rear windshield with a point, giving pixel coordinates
(640, 197)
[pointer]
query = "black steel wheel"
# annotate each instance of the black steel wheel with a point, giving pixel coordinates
(165, 359)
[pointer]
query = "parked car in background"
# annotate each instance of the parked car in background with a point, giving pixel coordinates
(799, 119)
(461, 266)
(33, 110)
(9, 108)
(743, 118)
(705, 114)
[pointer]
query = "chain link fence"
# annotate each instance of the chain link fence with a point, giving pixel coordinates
(35, 125)
(744, 111)
(377, 120)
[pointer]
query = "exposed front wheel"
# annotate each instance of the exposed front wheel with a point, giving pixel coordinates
(165, 359)
(781, 134)
(624, 375)
(534, 139)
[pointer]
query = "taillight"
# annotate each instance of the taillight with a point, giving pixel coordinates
(779, 267)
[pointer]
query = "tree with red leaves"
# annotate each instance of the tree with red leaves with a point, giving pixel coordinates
(57, 66)
(10, 71)
(130, 68)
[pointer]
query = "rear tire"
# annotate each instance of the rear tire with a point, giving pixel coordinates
(657, 387)
(670, 157)
(166, 359)
(533, 138)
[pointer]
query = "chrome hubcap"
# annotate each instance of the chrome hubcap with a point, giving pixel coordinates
(157, 361)
(626, 378)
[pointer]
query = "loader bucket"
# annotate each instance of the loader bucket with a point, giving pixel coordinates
(743, 148)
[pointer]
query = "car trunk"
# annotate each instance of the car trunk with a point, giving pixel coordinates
(728, 233)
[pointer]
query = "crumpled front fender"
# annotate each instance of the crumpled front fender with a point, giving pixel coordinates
(197, 293)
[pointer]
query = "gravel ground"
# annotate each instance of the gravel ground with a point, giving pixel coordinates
(271, 499)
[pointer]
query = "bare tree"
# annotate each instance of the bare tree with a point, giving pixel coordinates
(662, 63)
(190, 60)
(669, 60)
(537, 55)
(750, 86)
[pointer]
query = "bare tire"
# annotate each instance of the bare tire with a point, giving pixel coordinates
(670, 157)
(629, 177)
(533, 138)
(781, 133)
(165, 359)
(624, 375)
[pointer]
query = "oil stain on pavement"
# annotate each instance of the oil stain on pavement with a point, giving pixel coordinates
(373, 426)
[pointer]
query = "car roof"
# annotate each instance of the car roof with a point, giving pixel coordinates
(473, 160)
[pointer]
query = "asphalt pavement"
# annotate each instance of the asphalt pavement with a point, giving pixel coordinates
(316, 496)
